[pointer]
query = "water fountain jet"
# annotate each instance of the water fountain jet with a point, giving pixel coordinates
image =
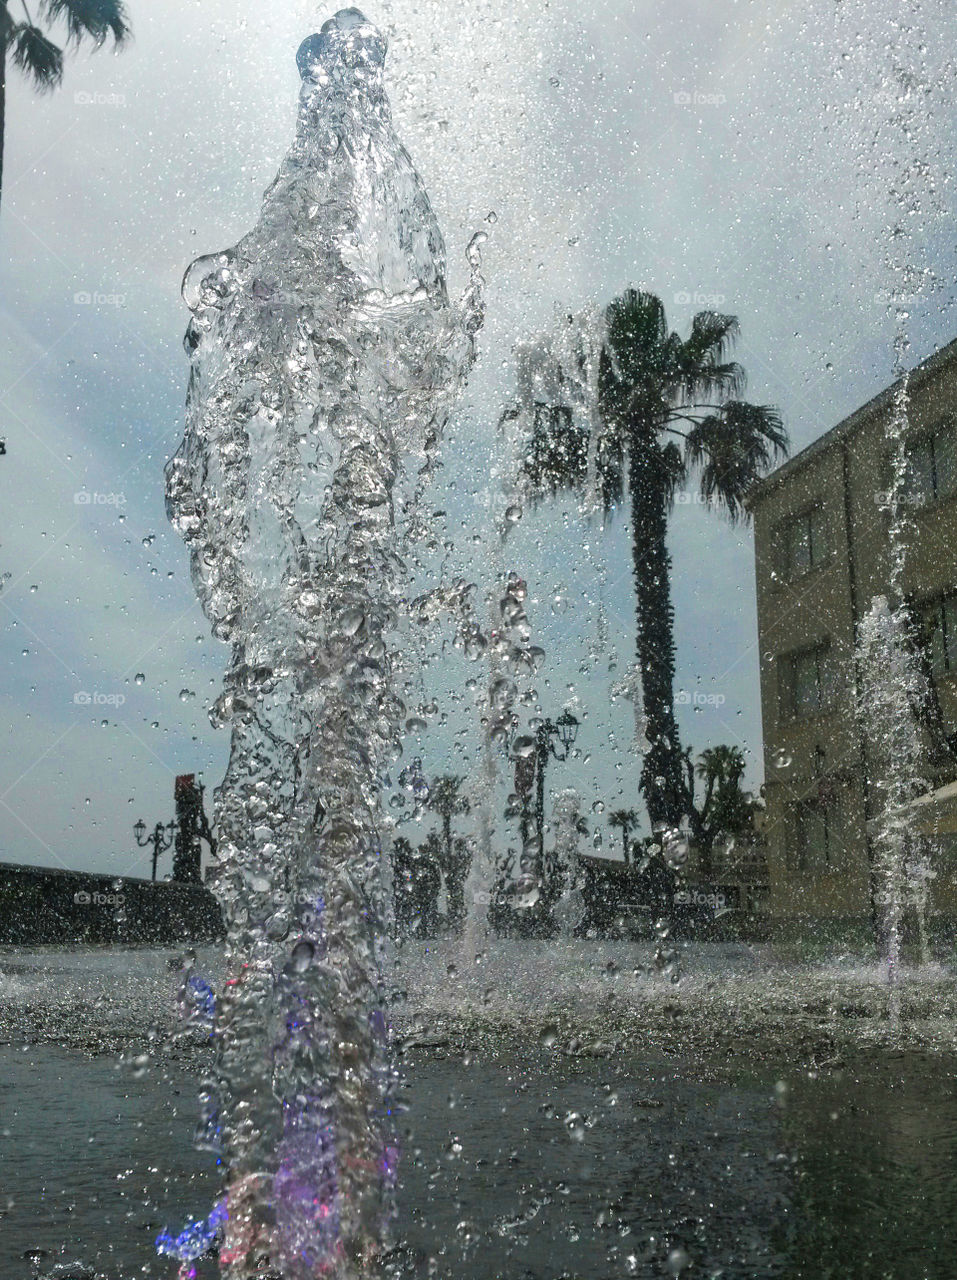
(325, 357)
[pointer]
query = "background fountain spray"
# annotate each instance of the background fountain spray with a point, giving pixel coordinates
(324, 356)
(894, 696)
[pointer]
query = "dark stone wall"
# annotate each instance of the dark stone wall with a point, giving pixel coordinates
(42, 905)
(622, 902)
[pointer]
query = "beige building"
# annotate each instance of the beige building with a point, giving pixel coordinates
(821, 524)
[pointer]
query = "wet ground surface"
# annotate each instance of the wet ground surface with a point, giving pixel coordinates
(529, 1160)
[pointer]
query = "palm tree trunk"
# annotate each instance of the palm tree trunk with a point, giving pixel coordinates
(3, 85)
(662, 784)
(706, 858)
(452, 895)
(447, 837)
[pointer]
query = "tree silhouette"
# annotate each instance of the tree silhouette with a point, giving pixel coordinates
(668, 407)
(725, 808)
(627, 819)
(31, 50)
(445, 800)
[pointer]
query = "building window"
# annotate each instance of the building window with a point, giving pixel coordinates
(931, 470)
(556, 418)
(940, 628)
(816, 835)
(803, 543)
(808, 684)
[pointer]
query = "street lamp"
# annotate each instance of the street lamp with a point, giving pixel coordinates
(566, 726)
(157, 838)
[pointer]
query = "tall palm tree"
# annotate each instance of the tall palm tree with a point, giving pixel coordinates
(445, 800)
(668, 408)
(34, 53)
(627, 819)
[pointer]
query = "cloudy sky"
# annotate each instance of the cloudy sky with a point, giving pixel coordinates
(781, 162)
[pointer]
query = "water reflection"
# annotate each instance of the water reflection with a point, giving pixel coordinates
(532, 1163)
(875, 1170)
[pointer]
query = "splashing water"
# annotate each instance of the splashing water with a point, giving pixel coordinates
(892, 690)
(325, 355)
(569, 826)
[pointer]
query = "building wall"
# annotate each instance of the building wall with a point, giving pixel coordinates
(816, 759)
(47, 905)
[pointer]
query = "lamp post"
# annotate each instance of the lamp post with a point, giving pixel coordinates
(565, 729)
(157, 838)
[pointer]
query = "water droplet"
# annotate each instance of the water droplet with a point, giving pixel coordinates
(140, 1065)
(352, 620)
(302, 956)
(678, 1261)
(575, 1126)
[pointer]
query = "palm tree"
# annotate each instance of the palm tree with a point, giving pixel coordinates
(627, 819)
(725, 809)
(444, 799)
(31, 50)
(668, 408)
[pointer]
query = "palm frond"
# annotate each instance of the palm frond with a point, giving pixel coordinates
(733, 449)
(673, 471)
(638, 349)
(623, 818)
(708, 383)
(723, 762)
(711, 338)
(610, 466)
(93, 19)
(556, 455)
(37, 56)
(444, 796)
(704, 371)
